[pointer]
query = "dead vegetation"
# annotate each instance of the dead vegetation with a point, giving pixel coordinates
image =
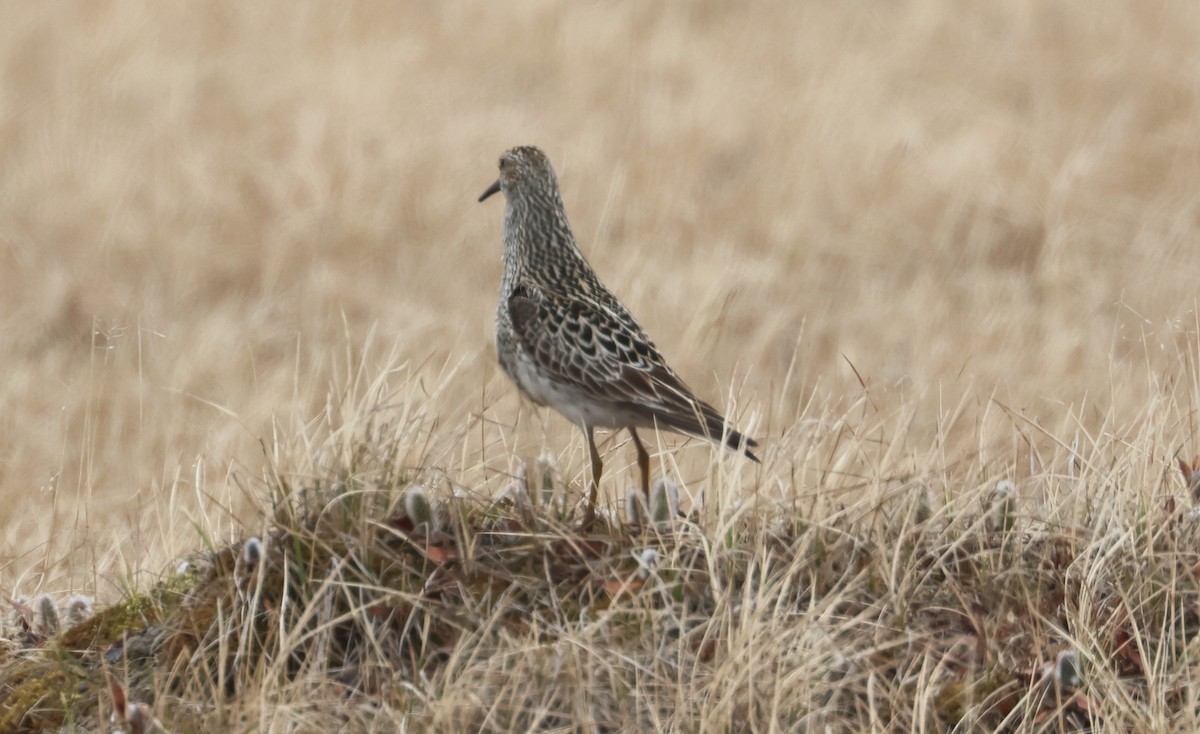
(940, 256)
(928, 601)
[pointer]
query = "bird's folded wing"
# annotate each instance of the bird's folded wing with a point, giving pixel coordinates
(590, 348)
(599, 350)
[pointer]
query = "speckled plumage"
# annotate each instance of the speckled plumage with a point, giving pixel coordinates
(565, 339)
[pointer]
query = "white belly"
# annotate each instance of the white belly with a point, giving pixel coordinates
(570, 402)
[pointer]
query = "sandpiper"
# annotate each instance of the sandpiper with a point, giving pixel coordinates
(565, 339)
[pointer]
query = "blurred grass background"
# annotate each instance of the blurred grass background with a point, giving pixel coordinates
(209, 211)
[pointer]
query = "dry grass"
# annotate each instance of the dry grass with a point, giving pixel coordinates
(240, 253)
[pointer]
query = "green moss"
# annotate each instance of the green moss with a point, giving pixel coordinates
(132, 614)
(43, 692)
(40, 699)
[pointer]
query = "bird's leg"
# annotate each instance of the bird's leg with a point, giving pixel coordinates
(643, 459)
(589, 515)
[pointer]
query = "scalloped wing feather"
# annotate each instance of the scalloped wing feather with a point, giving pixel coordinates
(601, 351)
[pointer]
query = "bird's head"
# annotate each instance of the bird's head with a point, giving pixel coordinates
(523, 169)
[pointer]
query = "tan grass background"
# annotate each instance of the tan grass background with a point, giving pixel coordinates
(210, 212)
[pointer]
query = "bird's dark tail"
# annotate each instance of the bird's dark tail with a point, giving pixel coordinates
(739, 441)
(706, 422)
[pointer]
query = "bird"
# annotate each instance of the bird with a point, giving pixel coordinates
(569, 343)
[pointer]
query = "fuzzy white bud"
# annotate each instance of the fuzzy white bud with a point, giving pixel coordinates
(664, 502)
(418, 508)
(647, 562)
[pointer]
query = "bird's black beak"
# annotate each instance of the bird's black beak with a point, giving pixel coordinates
(490, 190)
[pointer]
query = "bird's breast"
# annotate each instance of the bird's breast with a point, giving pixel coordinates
(572, 403)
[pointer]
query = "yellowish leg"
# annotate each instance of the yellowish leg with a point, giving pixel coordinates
(589, 514)
(643, 459)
